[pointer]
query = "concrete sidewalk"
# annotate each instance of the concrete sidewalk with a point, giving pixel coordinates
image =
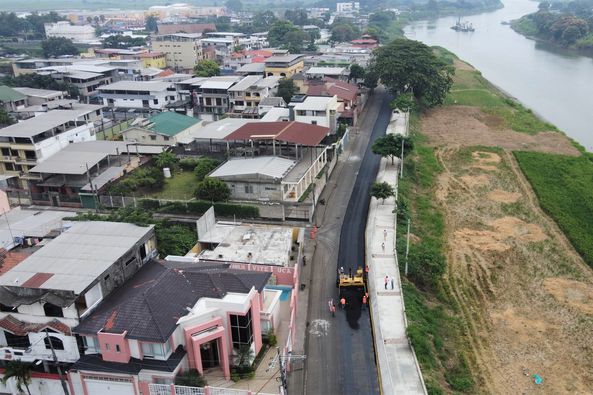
(398, 368)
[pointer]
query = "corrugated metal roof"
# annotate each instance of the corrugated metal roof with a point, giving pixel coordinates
(290, 132)
(151, 86)
(7, 94)
(269, 166)
(41, 123)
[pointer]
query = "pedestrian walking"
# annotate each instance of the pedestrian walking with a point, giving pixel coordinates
(384, 234)
(343, 303)
(304, 260)
(386, 281)
(391, 282)
(341, 271)
(383, 246)
(332, 309)
(364, 301)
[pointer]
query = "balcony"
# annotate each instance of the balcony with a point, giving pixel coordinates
(29, 355)
(25, 161)
(30, 176)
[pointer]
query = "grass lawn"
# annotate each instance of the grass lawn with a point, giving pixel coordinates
(181, 186)
(564, 187)
(114, 131)
(471, 89)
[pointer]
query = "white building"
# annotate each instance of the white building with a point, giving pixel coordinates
(316, 110)
(78, 34)
(347, 7)
(250, 91)
(138, 94)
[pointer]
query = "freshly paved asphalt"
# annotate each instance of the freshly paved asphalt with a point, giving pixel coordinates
(340, 353)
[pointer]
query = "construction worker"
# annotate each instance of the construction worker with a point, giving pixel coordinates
(332, 309)
(364, 301)
(343, 303)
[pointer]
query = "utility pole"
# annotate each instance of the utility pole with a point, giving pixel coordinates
(55, 358)
(407, 248)
(401, 171)
(283, 379)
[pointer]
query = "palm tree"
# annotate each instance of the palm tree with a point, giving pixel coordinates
(244, 355)
(21, 373)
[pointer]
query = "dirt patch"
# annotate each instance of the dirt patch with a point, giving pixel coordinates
(475, 181)
(467, 126)
(496, 265)
(460, 65)
(501, 196)
(576, 294)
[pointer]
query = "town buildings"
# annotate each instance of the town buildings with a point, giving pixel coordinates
(284, 65)
(76, 33)
(155, 95)
(166, 129)
(182, 50)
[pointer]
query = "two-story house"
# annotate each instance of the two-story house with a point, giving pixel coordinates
(44, 296)
(27, 143)
(138, 94)
(170, 317)
(315, 110)
(246, 95)
(284, 65)
(212, 96)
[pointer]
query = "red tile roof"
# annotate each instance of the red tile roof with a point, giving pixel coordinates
(331, 87)
(289, 132)
(259, 53)
(37, 280)
(21, 328)
(258, 59)
(11, 259)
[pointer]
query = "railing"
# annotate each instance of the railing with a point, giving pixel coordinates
(159, 389)
(168, 389)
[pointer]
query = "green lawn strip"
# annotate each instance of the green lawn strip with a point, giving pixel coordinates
(182, 186)
(564, 187)
(433, 329)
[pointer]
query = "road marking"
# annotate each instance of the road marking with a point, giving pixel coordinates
(319, 328)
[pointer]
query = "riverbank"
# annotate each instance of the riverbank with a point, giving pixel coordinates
(515, 299)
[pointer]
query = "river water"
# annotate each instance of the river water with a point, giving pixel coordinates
(556, 84)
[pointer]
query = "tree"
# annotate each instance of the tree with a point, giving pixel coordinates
(382, 190)
(404, 102)
(58, 46)
(404, 65)
(206, 68)
(234, 5)
(21, 372)
(263, 20)
(286, 89)
(344, 32)
(294, 40)
(390, 145)
(166, 159)
(39, 81)
(371, 79)
(123, 42)
(244, 356)
(356, 72)
(213, 189)
(5, 118)
(298, 16)
(277, 32)
(205, 166)
(151, 23)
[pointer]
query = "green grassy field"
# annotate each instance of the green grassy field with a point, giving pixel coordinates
(564, 187)
(433, 328)
(471, 89)
(182, 186)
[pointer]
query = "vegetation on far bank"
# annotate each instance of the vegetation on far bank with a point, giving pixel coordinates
(566, 24)
(564, 187)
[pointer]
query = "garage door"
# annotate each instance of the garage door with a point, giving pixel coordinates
(111, 386)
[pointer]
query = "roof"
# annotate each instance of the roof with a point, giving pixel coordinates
(7, 94)
(217, 130)
(185, 27)
(317, 103)
(23, 328)
(245, 83)
(149, 305)
(269, 166)
(275, 114)
(41, 123)
(137, 86)
(170, 123)
(220, 82)
(272, 101)
(45, 93)
(78, 256)
(327, 70)
(283, 58)
(259, 52)
(95, 363)
(252, 68)
(28, 223)
(290, 132)
(331, 87)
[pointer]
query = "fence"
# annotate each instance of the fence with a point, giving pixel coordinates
(169, 389)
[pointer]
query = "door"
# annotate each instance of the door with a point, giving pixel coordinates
(209, 354)
(55, 200)
(109, 387)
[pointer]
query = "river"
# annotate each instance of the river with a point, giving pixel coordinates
(556, 84)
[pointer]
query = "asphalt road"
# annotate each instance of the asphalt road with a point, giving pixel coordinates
(340, 354)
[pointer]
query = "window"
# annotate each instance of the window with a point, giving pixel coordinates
(117, 348)
(91, 345)
(17, 341)
(156, 350)
(51, 310)
(249, 189)
(241, 329)
(153, 138)
(53, 341)
(166, 138)
(313, 122)
(156, 101)
(107, 347)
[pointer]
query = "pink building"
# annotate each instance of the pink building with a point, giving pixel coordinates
(169, 318)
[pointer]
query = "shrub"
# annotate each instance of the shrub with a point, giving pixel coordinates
(426, 265)
(212, 189)
(149, 204)
(205, 166)
(166, 159)
(188, 164)
(191, 378)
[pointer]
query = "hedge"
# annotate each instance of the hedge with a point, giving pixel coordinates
(199, 207)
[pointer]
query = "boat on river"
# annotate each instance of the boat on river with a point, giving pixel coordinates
(463, 26)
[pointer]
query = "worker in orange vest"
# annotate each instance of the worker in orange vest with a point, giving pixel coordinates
(364, 301)
(343, 303)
